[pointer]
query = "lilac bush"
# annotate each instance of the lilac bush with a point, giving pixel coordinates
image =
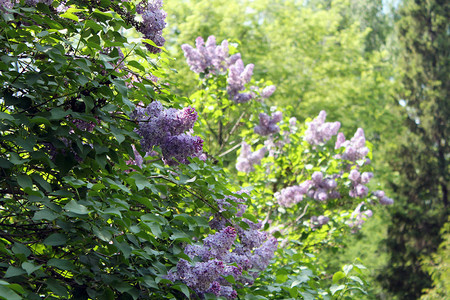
(221, 255)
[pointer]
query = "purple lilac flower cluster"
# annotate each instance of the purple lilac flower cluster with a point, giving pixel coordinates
(358, 183)
(383, 199)
(247, 158)
(319, 131)
(166, 128)
(322, 188)
(293, 194)
(238, 77)
(355, 148)
(209, 57)
(318, 188)
(268, 91)
(318, 221)
(268, 125)
(152, 23)
(252, 252)
(6, 4)
(359, 217)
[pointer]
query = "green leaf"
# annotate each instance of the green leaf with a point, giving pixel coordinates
(76, 183)
(76, 208)
(70, 16)
(124, 248)
(141, 181)
(5, 116)
(24, 181)
(21, 249)
(58, 114)
(136, 65)
(56, 288)
(338, 276)
(347, 269)
(180, 236)
(120, 86)
(93, 25)
(334, 288)
(183, 288)
(42, 182)
(62, 264)
(102, 234)
(5, 164)
(7, 294)
(14, 271)
(56, 239)
(357, 279)
(29, 267)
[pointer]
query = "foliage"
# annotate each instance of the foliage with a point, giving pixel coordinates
(105, 191)
(421, 157)
(438, 267)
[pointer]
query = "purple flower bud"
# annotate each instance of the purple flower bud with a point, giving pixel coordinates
(319, 132)
(365, 177)
(268, 91)
(386, 201)
(268, 125)
(354, 175)
(317, 177)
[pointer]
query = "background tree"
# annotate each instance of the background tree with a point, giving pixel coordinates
(421, 158)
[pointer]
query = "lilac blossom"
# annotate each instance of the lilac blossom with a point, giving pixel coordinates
(268, 91)
(238, 76)
(152, 23)
(220, 243)
(6, 4)
(293, 194)
(201, 277)
(166, 128)
(383, 199)
(358, 181)
(268, 125)
(233, 250)
(318, 221)
(228, 292)
(355, 148)
(252, 237)
(263, 254)
(319, 131)
(247, 158)
(209, 57)
(359, 217)
(322, 188)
